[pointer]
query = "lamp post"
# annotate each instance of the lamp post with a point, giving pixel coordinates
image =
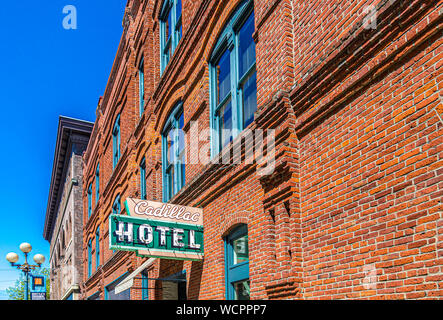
(39, 259)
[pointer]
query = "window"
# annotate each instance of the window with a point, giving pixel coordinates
(116, 141)
(173, 153)
(95, 296)
(89, 200)
(97, 248)
(89, 258)
(110, 290)
(170, 30)
(237, 264)
(174, 286)
(97, 184)
(145, 286)
(233, 78)
(141, 83)
(143, 194)
(116, 207)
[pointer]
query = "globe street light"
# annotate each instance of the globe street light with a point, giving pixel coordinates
(39, 259)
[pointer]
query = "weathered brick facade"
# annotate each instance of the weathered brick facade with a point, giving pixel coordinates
(353, 206)
(64, 216)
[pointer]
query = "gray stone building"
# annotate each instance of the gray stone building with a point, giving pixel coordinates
(63, 227)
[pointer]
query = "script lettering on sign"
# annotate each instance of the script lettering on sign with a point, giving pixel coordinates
(164, 211)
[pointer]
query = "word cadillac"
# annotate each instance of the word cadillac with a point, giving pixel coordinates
(166, 211)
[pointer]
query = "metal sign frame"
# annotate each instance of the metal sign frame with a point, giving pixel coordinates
(155, 238)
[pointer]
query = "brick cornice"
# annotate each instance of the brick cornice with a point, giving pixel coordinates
(354, 50)
(215, 178)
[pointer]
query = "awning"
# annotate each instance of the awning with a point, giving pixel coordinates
(128, 282)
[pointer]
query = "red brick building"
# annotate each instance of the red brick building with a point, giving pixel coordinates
(338, 193)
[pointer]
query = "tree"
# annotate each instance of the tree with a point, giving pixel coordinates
(17, 292)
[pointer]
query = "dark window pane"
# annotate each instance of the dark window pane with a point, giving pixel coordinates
(178, 20)
(169, 25)
(246, 45)
(167, 52)
(181, 121)
(178, 10)
(241, 250)
(182, 168)
(181, 134)
(183, 174)
(180, 32)
(145, 286)
(170, 146)
(172, 185)
(143, 180)
(142, 77)
(125, 295)
(242, 291)
(141, 86)
(225, 116)
(223, 76)
(116, 209)
(249, 99)
(166, 30)
(170, 182)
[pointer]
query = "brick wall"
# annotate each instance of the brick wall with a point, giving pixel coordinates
(370, 147)
(66, 243)
(353, 207)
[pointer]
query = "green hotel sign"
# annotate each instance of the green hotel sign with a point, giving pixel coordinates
(159, 234)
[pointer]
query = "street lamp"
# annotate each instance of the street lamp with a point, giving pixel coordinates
(39, 259)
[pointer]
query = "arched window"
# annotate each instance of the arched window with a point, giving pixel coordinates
(173, 153)
(237, 264)
(170, 30)
(233, 78)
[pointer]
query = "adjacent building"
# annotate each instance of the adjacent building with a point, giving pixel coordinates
(308, 132)
(63, 227)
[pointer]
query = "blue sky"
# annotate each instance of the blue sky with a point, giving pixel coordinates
(46, 71)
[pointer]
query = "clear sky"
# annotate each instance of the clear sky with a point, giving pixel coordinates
(46, 71)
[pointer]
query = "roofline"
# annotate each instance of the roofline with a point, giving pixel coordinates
(66, 128)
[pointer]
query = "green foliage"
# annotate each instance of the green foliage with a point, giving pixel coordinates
(17, 292)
